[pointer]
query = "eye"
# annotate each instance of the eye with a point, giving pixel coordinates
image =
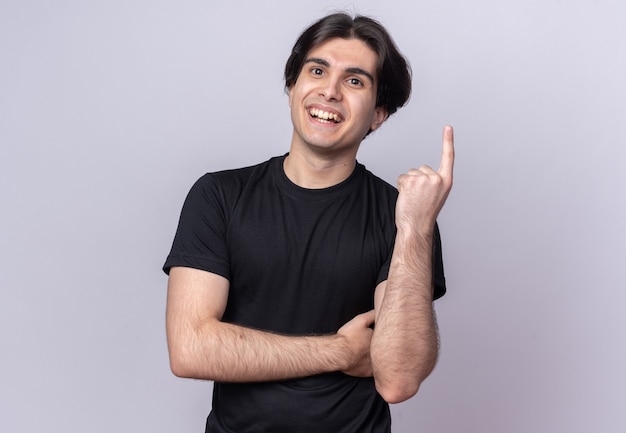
(355, 82)
(317, 71)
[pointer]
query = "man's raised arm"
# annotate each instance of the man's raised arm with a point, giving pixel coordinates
(405, 342)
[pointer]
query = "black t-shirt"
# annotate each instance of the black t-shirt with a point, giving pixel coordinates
(299, 262)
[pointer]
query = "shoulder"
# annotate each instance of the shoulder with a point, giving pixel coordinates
(231, 180)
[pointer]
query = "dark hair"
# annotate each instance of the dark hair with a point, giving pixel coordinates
(393, 72)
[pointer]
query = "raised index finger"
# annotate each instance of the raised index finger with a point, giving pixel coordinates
(447, 158)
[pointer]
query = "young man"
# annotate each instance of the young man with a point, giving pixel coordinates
(303, 286)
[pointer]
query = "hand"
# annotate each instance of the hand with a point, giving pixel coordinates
(423, 191)
(358, 335)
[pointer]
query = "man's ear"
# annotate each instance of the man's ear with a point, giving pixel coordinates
(290, 94)
(380, 115)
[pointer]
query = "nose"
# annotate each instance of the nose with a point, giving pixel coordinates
(331, 89)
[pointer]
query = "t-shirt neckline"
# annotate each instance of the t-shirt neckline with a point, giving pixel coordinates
(290, 188)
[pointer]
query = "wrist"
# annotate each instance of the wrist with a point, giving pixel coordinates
(341, 351)
(415, 233)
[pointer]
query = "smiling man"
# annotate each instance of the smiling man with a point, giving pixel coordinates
(304, 285)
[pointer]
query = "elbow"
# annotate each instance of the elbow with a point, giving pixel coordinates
(187, 359)
(397, 393)
(185, 362)
(178, 366)
(401, 386)
(399, 383)
(181, 363)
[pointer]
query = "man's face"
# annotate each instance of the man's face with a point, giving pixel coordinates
(333, 101)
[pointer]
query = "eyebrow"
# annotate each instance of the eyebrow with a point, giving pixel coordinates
(352, 70)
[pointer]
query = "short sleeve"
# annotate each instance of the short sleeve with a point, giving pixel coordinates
(439, 279)
(200, 240)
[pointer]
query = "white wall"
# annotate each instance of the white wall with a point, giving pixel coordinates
(110, 110)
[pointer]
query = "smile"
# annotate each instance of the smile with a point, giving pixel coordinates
(325, 116)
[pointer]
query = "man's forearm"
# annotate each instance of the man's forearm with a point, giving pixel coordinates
(405, 342)
(201, 346)
(230, 353)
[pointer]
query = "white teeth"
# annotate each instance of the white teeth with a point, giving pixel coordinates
(324, 115)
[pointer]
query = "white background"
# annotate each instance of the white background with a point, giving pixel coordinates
(109, 111)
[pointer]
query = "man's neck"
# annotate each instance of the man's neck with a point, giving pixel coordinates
(311, 171)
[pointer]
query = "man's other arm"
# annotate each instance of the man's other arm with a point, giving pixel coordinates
(201, 346)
